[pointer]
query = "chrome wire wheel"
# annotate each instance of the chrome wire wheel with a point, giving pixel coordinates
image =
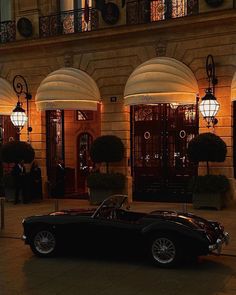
(163, 251)
(44, 242)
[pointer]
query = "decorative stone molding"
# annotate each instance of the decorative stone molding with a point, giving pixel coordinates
(160, 47)
(68, 59)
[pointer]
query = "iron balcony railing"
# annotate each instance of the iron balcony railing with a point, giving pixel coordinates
(7, 31)
(68, 22)
(146, 11)
(81, 20)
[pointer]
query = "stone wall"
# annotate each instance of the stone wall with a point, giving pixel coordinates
(110, 56)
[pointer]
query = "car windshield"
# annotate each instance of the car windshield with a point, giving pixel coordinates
(113, 202)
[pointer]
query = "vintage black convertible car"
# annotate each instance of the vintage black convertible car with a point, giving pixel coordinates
(167, 237)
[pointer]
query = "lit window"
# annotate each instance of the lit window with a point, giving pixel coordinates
(161, 9)
(179, 8)
(84, 115)
(75, 15)
(158, 9)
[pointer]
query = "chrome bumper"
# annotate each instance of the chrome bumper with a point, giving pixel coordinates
(24, 238)
(217, 247)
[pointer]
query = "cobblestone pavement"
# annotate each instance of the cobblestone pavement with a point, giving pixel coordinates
(22, 273)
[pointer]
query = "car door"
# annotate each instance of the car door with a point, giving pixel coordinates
(111, 234)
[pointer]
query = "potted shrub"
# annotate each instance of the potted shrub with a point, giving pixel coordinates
(209, 190)
(14, 152)
(105, 149)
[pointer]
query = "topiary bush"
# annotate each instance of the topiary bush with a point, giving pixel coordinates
(107, 149)
(207, 147)
(16, 151)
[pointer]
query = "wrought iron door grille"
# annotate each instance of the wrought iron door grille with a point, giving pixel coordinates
(160, 136)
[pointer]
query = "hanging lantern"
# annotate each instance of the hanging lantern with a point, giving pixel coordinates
(18, 116)
(209, 107)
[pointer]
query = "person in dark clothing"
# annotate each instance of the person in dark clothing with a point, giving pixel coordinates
(18, 173)
(35, 181)
(60, 180)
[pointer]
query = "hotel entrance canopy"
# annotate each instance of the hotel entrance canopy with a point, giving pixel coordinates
(161, 80)
(8, 97)
(67, 89)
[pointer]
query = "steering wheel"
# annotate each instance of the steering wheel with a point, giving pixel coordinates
(107, 213)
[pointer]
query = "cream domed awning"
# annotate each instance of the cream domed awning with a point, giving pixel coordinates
(67, 89)
(8, 98)
(233, 88)
(161, 80)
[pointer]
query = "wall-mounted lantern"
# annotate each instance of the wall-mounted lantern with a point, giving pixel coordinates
(18, 115)
(209, 105)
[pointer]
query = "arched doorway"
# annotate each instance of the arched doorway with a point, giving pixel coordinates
(65, 94)
(162, 94)
(160, 167)
(84, 163)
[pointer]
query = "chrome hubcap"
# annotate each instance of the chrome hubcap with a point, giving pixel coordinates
(44, 242)
(163, 250)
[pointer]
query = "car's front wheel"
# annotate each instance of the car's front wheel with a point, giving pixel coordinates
(165, 251)
(43, 243)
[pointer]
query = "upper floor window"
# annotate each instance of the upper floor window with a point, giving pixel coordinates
(160, 9)
(66, 5)
(5, 10)
(73, 16)
(144, 11)
(7, 25)
(75, 13)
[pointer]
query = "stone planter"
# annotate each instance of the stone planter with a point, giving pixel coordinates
(210, 200)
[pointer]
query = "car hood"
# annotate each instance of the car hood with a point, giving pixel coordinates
(188, 219)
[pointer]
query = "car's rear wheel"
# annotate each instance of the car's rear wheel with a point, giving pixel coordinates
(165, 251)
(43, 243)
